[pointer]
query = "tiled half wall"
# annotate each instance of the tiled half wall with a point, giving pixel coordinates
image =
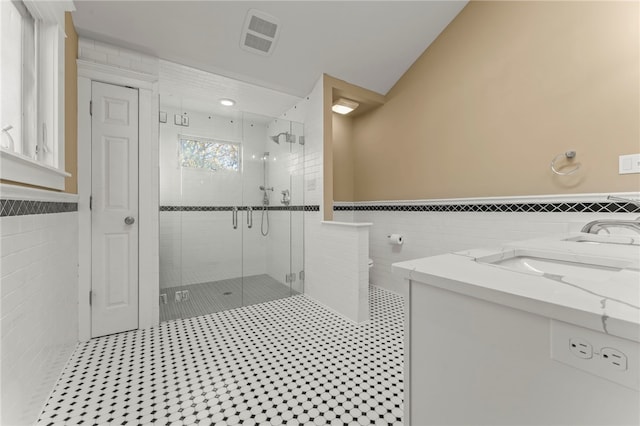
(39, 298)
(433, 228)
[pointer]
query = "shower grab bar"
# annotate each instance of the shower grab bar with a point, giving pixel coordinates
(249, 217)
(234, 217)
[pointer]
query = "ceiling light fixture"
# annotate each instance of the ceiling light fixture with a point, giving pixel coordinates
(227, 102)
(344, 106)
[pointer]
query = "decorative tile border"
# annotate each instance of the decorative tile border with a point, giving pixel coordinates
(312, 208)
(568, 207)
(29, 207)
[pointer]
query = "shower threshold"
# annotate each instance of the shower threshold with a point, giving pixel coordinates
(216, 296)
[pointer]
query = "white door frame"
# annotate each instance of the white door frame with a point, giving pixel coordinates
(148, 182)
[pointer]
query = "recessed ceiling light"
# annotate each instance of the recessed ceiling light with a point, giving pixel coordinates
(344, 106)
(227, 102)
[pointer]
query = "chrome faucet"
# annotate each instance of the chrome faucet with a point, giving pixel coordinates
(596, 225)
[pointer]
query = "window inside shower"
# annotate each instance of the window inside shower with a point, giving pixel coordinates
(208, 154)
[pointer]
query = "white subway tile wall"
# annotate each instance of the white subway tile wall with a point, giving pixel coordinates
(341, 262)
(309, 111)
(107, 54)
(39, 312)
(198, 247)
(432, 233)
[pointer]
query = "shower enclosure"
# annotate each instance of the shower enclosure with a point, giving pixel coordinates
(231, 215)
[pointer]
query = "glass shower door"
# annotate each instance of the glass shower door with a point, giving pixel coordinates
(212, 192)
(231, 215)
(266, 232)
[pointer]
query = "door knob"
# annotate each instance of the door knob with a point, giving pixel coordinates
(129, 220)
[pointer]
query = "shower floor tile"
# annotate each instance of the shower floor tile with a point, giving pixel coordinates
(216, 296)
(289, 361)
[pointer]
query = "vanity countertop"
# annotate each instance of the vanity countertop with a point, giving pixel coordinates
(589, 280)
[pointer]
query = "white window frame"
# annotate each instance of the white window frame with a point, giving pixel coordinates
(47, 169)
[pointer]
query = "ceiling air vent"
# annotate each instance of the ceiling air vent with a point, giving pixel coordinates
(260, 32)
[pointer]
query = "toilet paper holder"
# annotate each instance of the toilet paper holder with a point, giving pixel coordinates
(395, 239)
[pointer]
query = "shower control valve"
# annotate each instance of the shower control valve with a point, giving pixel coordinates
(286, 199)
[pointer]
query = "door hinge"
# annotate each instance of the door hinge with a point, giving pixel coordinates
(90, 202)
(90, 297)
(290, 278)
(90, 107)
(301, 275)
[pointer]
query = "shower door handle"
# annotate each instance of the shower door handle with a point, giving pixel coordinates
(249, 217)
(234, 217)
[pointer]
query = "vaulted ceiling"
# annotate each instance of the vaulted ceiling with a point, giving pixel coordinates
(367, 43)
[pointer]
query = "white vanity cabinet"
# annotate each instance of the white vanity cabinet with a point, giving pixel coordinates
(492, 346)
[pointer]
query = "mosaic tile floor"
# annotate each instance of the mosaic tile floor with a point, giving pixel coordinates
(288, 361)
(216, 296)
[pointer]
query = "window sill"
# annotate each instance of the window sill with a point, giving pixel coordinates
(18, 168)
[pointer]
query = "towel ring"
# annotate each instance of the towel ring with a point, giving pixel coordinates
(569, 155)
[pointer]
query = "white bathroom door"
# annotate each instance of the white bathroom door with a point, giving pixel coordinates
(114, 210)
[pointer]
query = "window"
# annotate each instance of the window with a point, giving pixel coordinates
(32, 84)
(18, 101)
(208, 154)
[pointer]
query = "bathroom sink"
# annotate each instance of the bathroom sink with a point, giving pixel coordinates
(606, 239)
(558, 264)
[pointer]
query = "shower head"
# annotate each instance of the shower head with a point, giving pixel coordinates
(289, 138)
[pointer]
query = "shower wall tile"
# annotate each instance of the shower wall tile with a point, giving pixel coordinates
(202, 246)
(38, 308)
(278, 253)
(185, 186)
(312, 108)
(310, 112)
(433, 233)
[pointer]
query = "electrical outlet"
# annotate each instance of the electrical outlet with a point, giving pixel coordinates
(614, 358)
(185, 295)
(597, 353)
(178, 296)
(581, 348)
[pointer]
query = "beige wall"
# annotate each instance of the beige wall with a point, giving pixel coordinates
(333, 89)
(71, 105)
(343, 159)
(505, 88)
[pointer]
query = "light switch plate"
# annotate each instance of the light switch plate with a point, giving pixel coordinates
(629, 164)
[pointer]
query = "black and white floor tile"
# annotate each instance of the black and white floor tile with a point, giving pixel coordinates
(289, 361)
